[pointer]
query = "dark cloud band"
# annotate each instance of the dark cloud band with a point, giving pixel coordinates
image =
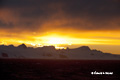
(77, 14)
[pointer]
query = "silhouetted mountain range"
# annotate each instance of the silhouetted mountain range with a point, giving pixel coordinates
(49, 52)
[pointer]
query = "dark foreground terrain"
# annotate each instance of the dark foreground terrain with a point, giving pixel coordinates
(14, 69)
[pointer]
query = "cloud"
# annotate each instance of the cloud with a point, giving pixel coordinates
(38, 15)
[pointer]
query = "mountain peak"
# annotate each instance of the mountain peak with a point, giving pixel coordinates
(84, 48)
(11, 45)
(22, 46)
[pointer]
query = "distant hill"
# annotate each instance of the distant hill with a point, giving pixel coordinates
(49, 52)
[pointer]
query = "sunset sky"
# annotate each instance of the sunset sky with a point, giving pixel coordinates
(62, 23)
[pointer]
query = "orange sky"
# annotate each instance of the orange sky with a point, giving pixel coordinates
(61, 23)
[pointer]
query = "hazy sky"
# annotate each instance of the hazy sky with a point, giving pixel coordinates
(84, 22)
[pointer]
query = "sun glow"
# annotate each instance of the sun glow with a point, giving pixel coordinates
(55, 40)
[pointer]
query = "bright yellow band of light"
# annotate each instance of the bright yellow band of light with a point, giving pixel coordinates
(57, 39)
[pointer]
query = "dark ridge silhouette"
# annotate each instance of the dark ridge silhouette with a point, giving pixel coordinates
(49, 52)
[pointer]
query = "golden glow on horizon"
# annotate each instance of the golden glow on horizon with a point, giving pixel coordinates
(57, 39)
